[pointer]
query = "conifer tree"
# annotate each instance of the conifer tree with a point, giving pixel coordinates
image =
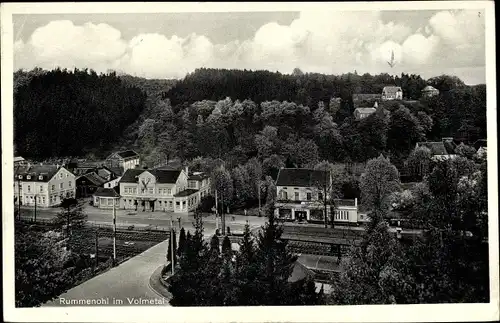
(226, 247)
(182, 241)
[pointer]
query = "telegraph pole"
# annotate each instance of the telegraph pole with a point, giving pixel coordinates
(114, 232)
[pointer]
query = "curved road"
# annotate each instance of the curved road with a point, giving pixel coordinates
(128, 283)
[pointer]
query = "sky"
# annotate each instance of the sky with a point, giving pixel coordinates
(170, 45)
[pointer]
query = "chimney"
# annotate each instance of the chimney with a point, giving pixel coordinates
(356, 202)
(186, 169)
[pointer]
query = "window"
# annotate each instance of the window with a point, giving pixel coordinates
(28, 177)
(308, 196)
(61, 185)
(29, 188)
(151, 191)
(177, 203)
(320, 196)
(40, 177)
(20, 176)
(69, 183)
(43, 199)
(169, 191)
(60, 175)
(296, 196)
(284, 195)
(53, 187)
(170, 204)
(41, 189)
(110, 201)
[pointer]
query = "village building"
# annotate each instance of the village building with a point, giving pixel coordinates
(392, 93)
(162, 190)
(362, 113)
(429, 91)
(128, 159)
(19, 161)
(301, 193)
(104, 198)
(440, 150)
(43, 185)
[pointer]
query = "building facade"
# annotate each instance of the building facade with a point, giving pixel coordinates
(440, 150)
(43, 185)
(128, 159)
(104, 198)
(162, 190)
(392, 93)
(301, 195)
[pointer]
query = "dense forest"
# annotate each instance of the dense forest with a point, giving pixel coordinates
(235, 115)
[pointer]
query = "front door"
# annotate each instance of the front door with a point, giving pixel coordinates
(301, 216)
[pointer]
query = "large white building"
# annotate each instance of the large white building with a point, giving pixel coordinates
(43, 185)
(162, 190)
(301, 193)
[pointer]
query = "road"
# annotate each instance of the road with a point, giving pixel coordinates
(128, 283)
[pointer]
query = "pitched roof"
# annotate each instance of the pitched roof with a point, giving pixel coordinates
(429, 88)
(118, 171)
(365, 110)
(127, 154)
(391, 89)
(436, 147)
(300, 177)
(18, 159)
(162, 175)
(187, 192)
(106, 192)
(94, 179)
(103, 172)
(35, 171)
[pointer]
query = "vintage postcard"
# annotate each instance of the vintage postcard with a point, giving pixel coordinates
(249, 162)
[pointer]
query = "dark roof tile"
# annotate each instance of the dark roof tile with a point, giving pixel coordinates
(162, 176)
(300, 177)
(187, 192)
(127, 154)
(35, 171)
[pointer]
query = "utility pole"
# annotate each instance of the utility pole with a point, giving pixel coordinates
(114, 232)
(324, 200)
(35, 206)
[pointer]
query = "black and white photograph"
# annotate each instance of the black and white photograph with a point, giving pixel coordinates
(202, 158)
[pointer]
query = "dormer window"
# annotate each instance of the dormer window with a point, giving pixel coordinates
(20, 176)
(40, 177)
(28, 177)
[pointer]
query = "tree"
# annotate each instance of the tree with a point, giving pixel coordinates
(215, 244)
(379, 180)
(420, 161)
(267, 141)
(375, 272)
(226, 247)
(404, 131)
(274, 266)
(272, 164)
(71, 215)
(465, 151)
